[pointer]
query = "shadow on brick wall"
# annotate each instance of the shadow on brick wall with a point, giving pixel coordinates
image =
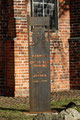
(2, 47)
(7, 33)
(74, 44)
(9, 51)
(74, 41)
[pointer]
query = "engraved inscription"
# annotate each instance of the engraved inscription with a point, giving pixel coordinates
(39, 71)
(39, 62)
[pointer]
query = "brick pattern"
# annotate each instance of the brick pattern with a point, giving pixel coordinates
(60, 50)
(21, 50)
(74, 55)
(74, 44)
(75, 18)
(14, 54)
(9, 50)
(17, 64)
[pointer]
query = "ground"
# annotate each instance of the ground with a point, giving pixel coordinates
(17, 108)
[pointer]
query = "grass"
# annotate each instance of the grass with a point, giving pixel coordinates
(13, 115)
(16, 108)
(61, 104)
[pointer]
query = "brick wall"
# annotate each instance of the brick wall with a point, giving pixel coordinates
(74, 44)
(74, 55)
(17, 67)
(75, 18)
(60, 50)
(59, 55)
(3, 29)
(14, 58)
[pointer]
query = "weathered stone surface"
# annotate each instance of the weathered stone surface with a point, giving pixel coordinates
(77, 103)
(43, 116)
(70, 114)
(48, 116)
